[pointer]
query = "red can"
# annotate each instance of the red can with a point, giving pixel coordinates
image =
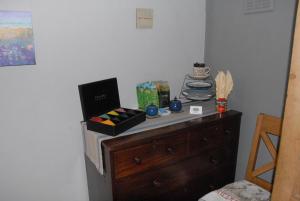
(221, 104)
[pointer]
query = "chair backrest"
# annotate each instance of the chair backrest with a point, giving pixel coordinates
(265, 125)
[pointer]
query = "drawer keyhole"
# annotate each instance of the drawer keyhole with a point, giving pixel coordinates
(154, 145)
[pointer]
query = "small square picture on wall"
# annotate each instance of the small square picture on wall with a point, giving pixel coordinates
(16, 38)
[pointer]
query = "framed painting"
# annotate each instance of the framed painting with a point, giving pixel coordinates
(16, 39)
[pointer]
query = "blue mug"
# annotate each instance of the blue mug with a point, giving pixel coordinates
(152, 110)
(175, 105)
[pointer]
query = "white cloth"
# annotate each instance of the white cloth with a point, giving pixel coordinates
(238, 191)
(93, 139)
(93, 146)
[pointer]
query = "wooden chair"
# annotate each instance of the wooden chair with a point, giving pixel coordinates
(254, 187)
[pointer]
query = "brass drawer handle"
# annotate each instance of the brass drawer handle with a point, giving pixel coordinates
(211, 187)
(137, 160)
(171, 150)
(213, 161)
(157, 183)
(227, 132)
(204, 139)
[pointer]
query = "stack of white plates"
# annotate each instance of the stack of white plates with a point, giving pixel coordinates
(199, 90)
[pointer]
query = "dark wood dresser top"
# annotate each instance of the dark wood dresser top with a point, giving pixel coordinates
(125, 141)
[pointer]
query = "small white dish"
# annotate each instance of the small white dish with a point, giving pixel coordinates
(199, 84)
(164, 112)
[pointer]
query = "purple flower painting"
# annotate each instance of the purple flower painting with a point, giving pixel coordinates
(16, 39)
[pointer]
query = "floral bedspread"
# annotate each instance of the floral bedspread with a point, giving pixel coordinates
(238, 191)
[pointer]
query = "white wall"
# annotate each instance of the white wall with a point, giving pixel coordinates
(41, 148)
(255, 48)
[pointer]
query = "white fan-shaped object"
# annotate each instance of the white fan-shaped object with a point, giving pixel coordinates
(229, 84)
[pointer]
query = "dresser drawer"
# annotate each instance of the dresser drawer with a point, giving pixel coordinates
(187, 179)
(152, 154)
(161, 184)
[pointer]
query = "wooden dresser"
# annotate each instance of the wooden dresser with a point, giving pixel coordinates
(182, 161)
